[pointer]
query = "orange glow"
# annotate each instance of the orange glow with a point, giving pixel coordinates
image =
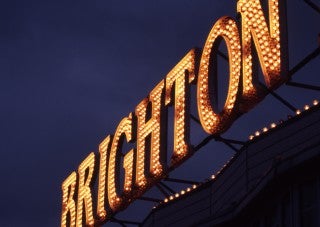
(150, 128)
(267, 43)
(68, 204)
(103, 150)
(124, 128)
(180, 77)
(146, 163)
(84, 191)
(212, 122)
(128, 166)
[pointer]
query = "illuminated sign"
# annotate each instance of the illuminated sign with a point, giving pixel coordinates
(146, 127)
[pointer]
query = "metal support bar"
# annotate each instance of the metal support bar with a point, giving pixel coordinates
(123, 222)
(167, 187)
(301, 85)
(149, 199)
(313, 5)
(162, 190)
(223, 55)
(304, 61)
(283, 101)
(195, 119)
(286, 103)
(203, 142)
(300, 65)
(218, 138)
(231, 146)
(231, 141)
(117, 221)
(181, 181)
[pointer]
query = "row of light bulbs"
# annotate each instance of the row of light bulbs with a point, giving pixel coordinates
(185, 191)
(213, 177)
(273, 125)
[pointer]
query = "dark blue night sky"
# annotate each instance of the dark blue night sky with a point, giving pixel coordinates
(71, 70)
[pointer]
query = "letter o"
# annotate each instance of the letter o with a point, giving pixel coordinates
(212, 122)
